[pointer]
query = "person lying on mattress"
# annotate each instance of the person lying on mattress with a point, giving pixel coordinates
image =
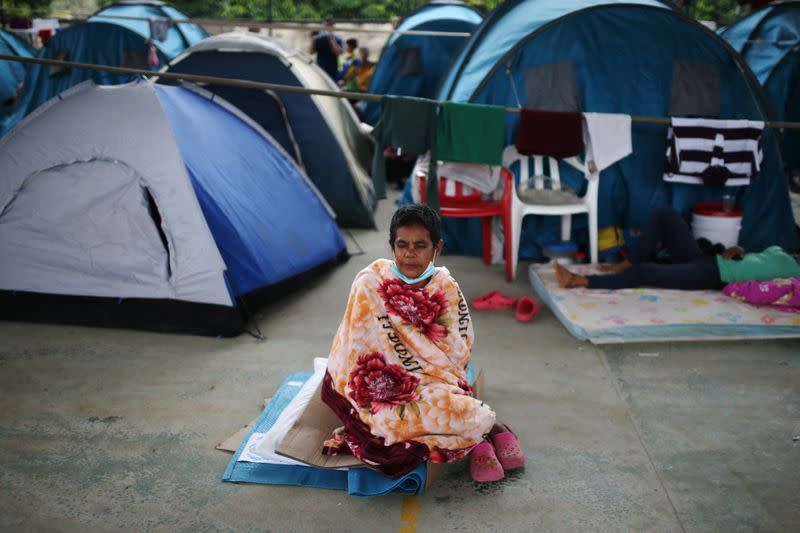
(690, 268)
(397, 371)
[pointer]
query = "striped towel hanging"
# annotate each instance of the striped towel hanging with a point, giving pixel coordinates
(713, 152)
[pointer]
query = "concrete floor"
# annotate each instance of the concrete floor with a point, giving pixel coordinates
(112, 429)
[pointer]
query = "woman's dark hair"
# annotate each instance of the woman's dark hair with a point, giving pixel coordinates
(416, 215)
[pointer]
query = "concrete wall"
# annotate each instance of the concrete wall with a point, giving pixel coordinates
(299, 38)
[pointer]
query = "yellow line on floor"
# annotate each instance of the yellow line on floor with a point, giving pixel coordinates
(408, 514)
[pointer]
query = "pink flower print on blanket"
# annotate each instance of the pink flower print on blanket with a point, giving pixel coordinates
(375, 385)
(781, 294)
(416, 307)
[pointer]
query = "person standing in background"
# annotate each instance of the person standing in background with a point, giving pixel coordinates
(328, 47)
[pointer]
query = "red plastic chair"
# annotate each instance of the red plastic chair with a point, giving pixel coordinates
(467, 202)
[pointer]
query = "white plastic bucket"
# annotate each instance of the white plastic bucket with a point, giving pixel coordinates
(716, 226)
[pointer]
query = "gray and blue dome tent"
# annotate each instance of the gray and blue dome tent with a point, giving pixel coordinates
(161, 208)
(322, 132)
(769, 41)
(105, 41)
(12, 74)
(413, 65)
(638, 57)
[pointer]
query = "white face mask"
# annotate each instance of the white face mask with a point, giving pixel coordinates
(429, 272)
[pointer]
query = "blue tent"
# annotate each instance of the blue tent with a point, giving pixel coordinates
(156, 207)
(179, 36)
(12, 74)
(105, 41)
(768, 40)
(413, 65)
(613, 57)
(321, 132)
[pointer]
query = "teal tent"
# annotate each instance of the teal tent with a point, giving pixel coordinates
(105, 40)
(769, 41)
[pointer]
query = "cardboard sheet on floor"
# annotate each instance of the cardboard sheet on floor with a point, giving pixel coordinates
(231, 444)
(655, 315)
(303, 442)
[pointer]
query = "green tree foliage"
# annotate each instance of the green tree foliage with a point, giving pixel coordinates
(723, 12)
(304, 9)
(28, 8)
(262, 9)
(720, 11)
(484, 6)
(193, 8)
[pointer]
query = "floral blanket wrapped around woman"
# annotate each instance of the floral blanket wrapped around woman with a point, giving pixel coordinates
(397, 373)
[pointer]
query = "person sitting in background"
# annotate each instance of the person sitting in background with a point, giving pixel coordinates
(357, 78)
(397, 370)
(690, 269)
(348, 58)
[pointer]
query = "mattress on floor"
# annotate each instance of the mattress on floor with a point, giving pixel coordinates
(642, 315)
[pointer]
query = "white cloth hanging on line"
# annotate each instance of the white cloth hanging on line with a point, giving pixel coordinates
(483, 178)
(606, 139)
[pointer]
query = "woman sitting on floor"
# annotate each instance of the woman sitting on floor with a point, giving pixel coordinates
(690, 268)
(397, 372)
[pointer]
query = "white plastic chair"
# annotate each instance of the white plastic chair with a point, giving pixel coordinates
(581, 204)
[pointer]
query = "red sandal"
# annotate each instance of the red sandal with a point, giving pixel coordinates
(494, 300)
(527, 309)
(507, 448)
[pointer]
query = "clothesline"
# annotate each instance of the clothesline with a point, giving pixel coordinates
(248, 84)
(267, 25)
(763, 41)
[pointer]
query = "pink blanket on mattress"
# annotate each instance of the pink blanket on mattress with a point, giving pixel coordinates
(782, 294)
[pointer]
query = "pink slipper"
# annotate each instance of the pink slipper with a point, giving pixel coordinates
(483, 463)
(480, 300)
(527, 308)
(494, 300)
(507, 449)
